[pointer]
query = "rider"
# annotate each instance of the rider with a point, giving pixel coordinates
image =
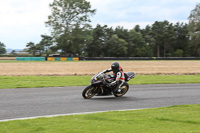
(118, 74)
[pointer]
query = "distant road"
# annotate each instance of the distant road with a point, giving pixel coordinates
(30, 102)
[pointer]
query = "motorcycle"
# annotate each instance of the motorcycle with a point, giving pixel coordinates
(99, 85)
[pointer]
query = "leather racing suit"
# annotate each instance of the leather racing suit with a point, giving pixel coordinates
(119, 78)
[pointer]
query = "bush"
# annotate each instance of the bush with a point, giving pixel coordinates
(178, 53)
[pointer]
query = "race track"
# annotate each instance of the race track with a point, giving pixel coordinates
(30, 102)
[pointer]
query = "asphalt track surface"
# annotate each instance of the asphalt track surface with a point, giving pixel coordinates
(30, 102)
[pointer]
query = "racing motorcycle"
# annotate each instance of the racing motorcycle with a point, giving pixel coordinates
(99, 85)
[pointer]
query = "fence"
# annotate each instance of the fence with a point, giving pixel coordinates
(47, 59)
(139, 58)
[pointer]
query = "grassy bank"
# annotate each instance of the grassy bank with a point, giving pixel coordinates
(58, 81)
(174, 119)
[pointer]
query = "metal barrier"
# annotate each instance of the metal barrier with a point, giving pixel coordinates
(47, 59)
(62, 59)
(30, 58)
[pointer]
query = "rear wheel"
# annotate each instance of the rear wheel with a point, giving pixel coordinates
(89, 92)
(124, 88)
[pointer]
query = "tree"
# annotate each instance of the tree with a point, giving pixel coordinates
(31, 48)
(158, 34)
(121, 32)
(2, 48)
(164, 35)
(149, 40)
(116, 47)
(13, 52)
(194, 19)
(100, 36)
(94, 49)
(69, 22)
(45, 44)
(182, 39)
(136, 44)
(137, 28)
(169, 40)
(194, 31)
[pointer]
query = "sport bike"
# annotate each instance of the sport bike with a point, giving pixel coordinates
(100, 85)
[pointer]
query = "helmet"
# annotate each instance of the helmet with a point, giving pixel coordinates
(115, 66)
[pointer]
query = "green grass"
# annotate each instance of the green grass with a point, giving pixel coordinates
(165, 79)
(59, 81)
(174, 119)
(42, 81)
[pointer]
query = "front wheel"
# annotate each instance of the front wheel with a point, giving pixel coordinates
(89, 92)
(124, 88)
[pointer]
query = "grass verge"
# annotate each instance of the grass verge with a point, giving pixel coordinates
(174, 119)
(58, 81)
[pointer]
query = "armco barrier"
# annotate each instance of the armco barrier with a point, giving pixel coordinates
(48, 58)
(57, 58)
(75, 59)
(62, 59)
(69, 59)
(30, 58)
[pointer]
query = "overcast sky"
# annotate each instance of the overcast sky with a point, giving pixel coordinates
(22, 21)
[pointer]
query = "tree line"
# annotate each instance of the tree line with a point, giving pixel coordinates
(162, 39)
(2, 48)
(71, 33)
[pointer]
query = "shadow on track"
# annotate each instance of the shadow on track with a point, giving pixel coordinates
(112, 98)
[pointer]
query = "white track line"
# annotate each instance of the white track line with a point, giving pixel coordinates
(49, 116)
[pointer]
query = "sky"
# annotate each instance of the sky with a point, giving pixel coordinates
(23, 21)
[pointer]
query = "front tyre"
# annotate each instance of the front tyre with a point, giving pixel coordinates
(124, 88)
(89, 92)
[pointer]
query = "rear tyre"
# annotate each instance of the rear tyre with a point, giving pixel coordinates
(89, 92)
(124, 88)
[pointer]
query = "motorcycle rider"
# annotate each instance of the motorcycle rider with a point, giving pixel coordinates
(118, 74)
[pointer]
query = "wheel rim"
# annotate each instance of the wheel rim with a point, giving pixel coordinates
(90, 92)
(124, 89)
